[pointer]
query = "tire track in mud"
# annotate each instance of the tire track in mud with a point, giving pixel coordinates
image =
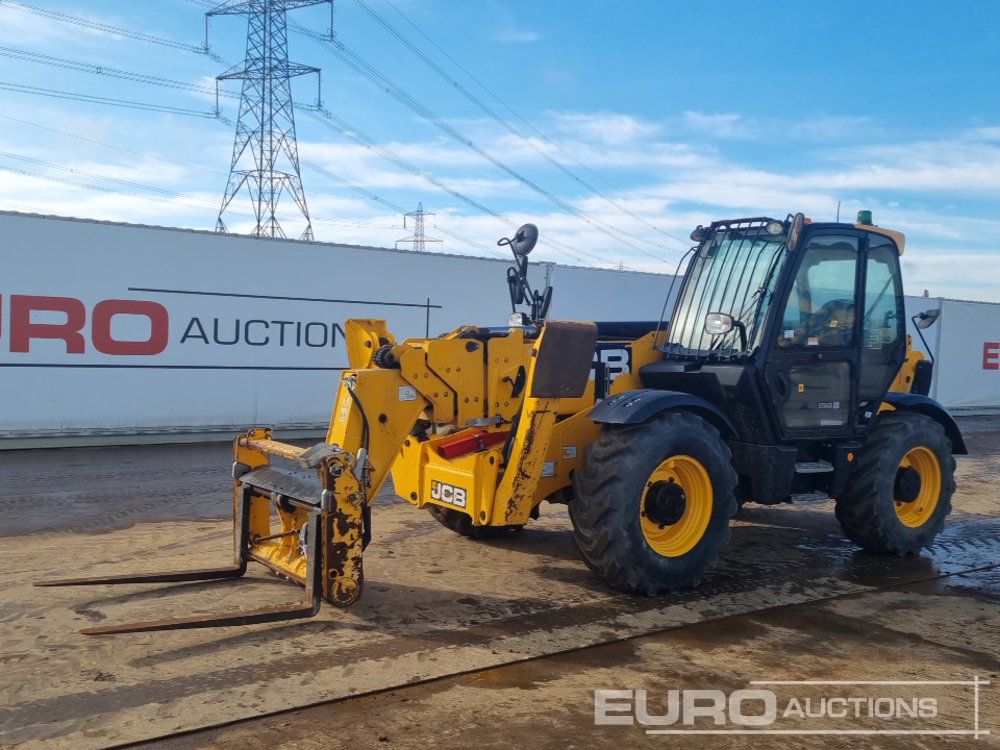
(564, 652)
(431, 613)
(518, 630)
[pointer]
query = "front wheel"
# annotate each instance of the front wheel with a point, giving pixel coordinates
(900, 491)
(653, 502)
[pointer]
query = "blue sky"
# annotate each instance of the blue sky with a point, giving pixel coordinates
(629, 123)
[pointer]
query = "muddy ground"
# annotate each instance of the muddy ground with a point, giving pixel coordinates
(460, 644)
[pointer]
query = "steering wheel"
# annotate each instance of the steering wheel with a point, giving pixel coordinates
(833, 323)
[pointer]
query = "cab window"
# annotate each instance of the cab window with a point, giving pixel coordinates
(883, 295)
(820, 310)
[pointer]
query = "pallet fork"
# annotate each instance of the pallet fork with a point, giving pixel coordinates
(308, 607)
(323, 505)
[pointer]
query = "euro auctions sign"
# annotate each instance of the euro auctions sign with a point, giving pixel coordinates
(34, 319)
(991, 355)
(855, 708)
(60, 328)
(155, 359)
(116, 329)
(123, 329)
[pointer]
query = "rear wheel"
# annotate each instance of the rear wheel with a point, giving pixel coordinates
(900, 491)
(653, 503)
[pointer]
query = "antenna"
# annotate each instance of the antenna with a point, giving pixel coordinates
(265, 153)
(418, 239)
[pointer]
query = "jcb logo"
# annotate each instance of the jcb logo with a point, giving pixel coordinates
(448, 493)
(617, 359)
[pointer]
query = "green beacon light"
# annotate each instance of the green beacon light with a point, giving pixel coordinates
(865, 217)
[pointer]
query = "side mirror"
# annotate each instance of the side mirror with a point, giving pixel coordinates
(522, 243)
(927, 318)
(717, 323)
(524, 240)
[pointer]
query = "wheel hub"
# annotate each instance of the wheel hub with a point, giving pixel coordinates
(907, 486)
(665, 503)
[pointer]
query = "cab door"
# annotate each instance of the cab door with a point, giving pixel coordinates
(812, 366)
(883, 325)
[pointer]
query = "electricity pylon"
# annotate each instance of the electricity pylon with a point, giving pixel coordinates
(265, 152)
(419, 238)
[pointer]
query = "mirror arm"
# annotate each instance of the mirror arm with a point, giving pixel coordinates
(920, 332)
(741, 327)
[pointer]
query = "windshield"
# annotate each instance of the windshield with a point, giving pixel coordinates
(733, 272)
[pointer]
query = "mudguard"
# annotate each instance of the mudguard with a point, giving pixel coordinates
(634, 407)
(929, 407)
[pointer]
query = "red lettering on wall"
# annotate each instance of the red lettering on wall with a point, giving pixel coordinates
(991, 355)
(106, 310)
(23, 330)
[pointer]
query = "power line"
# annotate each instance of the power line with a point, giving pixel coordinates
(163, 195)
(141, 154)
(363, 68)
(359, 137)
(160, 81)
(145, 106)
(455, 235)
(86, 185)
(101, 70)
(367, 71)
(527, 123)
(115, 180)
(155, 80)
(378, 199)
(457, 86)
(107, 28)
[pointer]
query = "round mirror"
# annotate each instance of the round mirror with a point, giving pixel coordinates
(926, 318)
(524, 241)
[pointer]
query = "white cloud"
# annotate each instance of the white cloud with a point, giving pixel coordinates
(27, 30)
(21, 26)
(735, 126)
(604, 127)
(670, 174)
(945, 272)
(949, 165)
(716, 125)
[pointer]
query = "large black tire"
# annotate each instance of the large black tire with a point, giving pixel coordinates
(616, 512)
(885, 509)
(462, 524)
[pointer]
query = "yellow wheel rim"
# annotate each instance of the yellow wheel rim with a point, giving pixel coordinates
(673, 528)
(919, 510)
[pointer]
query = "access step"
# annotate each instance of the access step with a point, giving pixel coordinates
(813, 467)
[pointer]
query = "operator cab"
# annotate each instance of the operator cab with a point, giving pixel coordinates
(795, 329)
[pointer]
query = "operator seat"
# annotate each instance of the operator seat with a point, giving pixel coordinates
(832, 324)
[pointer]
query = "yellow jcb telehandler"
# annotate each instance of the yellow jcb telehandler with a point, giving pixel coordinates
(785, 371)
